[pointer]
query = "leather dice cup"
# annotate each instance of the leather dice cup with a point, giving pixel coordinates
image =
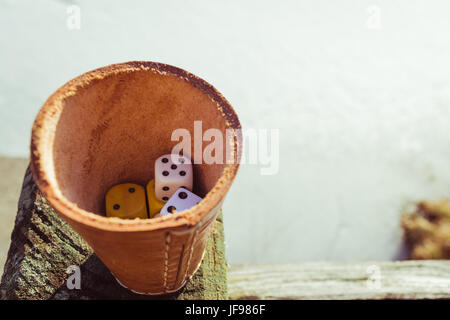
(107, 127)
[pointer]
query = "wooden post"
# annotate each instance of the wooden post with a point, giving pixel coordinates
(43, 247)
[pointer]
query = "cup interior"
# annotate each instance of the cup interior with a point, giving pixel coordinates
(110, 128)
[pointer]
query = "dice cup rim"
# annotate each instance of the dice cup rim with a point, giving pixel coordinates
(40, 162)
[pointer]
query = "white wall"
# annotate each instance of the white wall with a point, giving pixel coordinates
(364, 113)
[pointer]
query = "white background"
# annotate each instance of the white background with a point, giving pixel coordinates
(363, 107)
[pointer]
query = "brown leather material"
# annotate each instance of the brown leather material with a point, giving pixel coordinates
(108, 126)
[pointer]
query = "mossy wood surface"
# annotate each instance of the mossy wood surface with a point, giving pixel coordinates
(43, 246)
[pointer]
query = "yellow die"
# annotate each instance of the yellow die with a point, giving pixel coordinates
(126, 201)
(154, 204)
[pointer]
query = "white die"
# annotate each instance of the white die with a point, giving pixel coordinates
(172, 172)
(181, 200)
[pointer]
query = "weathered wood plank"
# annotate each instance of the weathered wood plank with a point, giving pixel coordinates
(43, 247)
(397, 280)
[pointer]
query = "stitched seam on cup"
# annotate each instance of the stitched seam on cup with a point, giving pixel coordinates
(166, 261)
(194, 238)
(194, 233)
(180, 264)
(188, 250)
(190, 253)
